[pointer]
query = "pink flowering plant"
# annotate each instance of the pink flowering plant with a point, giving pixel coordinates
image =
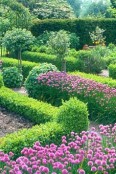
(89, 152)
(101, 99)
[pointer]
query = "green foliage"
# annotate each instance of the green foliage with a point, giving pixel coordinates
(112, 71)
(17, 38)
(31, 83)
(105, 80)
(73, 116)
(53, 9)
(72, 63)
(97, 36)
(1, 81)
(59, 42)
(35, 111)
(17, 15)
(111, 59)
(12, 77)
(90, 61)
(81, 27)
(45, 133)
(26, 65)
(74, 41)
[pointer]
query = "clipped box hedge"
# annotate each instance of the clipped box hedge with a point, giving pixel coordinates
(104, 80)
(26, 65)
(81, 27)
(72, 63)
(33, 110)
(112, 71)
(47, 133)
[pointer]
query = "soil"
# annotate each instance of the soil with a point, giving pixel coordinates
(10, 122)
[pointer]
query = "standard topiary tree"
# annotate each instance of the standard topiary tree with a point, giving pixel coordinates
(12, 78)
(59, 42)
(31, 83)
(17, 40)
(73, 116)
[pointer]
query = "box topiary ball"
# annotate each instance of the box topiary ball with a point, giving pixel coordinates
(31, 83)
(73, 115)
(12, 78)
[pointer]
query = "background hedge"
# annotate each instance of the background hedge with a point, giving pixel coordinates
(112, 71)
(81, 27)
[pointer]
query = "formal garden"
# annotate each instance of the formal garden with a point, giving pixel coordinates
(57, 87)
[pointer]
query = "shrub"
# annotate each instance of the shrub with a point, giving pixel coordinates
(73, 116)
(33, 110)
(100, 98)
(112, 71)
(26, 65)
(1, 81)
(104, 80)
(110, 59)
(47, 133)
(74, 41)
(31, 83)
(90, 61)
(12, 77)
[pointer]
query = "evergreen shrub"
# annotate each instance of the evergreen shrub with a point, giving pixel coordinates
(31, 83)
(112, 71)
(12, 78)
(73, 116)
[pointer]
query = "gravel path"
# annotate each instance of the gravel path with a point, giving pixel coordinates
(10, 122)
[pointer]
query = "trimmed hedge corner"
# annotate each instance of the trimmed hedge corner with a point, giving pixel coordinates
(112, 71)
(73, 116)
(50, 132)
(36, 111)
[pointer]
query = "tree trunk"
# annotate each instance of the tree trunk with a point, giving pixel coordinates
(1, 50)
(63, 65)
(19, 60)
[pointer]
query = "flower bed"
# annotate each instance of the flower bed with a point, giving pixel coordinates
(86, 153)
(100, 98)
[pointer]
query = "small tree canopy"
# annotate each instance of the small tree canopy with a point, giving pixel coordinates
(17, 38)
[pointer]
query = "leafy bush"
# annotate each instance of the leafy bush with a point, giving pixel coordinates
(73, 116)
(12, 77)
(26, 65)
(112, 71)
(90, 61)
(31, 83)
(47, 133)
(104, 80)
(100, 98)
(36, 111)
(74, 41)
(1, 81)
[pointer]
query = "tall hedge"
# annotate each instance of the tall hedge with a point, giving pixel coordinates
(81, 27)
